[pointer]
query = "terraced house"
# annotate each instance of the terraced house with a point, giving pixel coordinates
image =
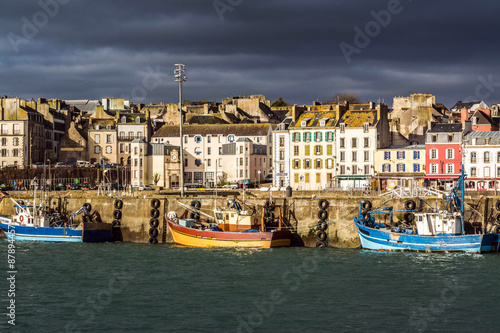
(402, 166)
(482, 160)
(229, 152)
(312, 151)
(360, 131)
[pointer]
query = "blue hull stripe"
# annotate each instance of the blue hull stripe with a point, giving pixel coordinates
(376, 239)
(54, 234)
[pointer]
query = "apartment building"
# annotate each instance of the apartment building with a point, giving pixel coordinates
(482, 160)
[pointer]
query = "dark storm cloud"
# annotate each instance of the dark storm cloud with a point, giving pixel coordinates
(95, 49)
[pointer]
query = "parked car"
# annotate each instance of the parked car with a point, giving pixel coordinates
(38, 165)
(268, 178)
(60, 165)
(11, 166)
(146, 188)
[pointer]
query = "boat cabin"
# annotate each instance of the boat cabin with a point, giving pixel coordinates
(432, 224)
(236, 221)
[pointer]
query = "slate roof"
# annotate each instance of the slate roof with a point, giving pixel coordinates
(243, 140)
(313, 119)
(205, 119)
(224, 129)
(357, 118)
(482, 118)
(467, 105)
(405, 147)
(446, 128)
(84, 105)
(476, 134)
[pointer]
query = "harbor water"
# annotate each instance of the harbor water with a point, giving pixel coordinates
(165, 288)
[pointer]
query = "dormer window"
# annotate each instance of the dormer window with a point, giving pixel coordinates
(137, 120)
(365, 128)
(108, 127)
(342, 128)
(197, 139)
(97, 127)
(474, 121)
(230, 138)
(124, 120)
(323, 121)
(304, 122)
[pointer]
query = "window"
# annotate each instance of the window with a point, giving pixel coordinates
(209, 162)
(342, 156)
(449, 154)
(4, 141)
(220, 150)
(342, 169)
(434, 154)
(318, 164)
(498, 157)
(354, 156)
(450, 137)
(329, 150)
(387, 155)
(209, 139)
(449, 168)
(318, 150)
(400, 167)
(241, 161)
(366, 156)
(473, 157)
(135, 150)
(197, 150)
(307, 150)
(296, 164)
(434, 168)
(329, 163)
(230, 138)
(498, 172)
(365, 128)
(139, 135)
(4, 129)
(15, 142)
(329, 136)
(434, 138)
(97, 138)
(197, 162)
(296, 137)
(318, 178)
(282, 155)
(282, 141)
(308, 136)
(354, 169)
(474, 120)
(342, 128)
(307, 177)
(16, 129)
(416, 155)
(416, 167)
(197, 139)
(295, 150)
(486, 157)
(5, 153)
(209, 151)
(367, 170)
(122, 148)
(342, 142)
(318, 136)
(473, 172)
(307, 163)
(198, 177)
(97, 150)
(400, 155)
(487, 141)
(241, 149)
(386, 168)
(15, 152)
(366, 142)
(354, 142)
(108, 149)
(296, 177)
(137, 120)
(130, 135)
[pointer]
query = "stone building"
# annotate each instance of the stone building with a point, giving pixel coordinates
(73, 145)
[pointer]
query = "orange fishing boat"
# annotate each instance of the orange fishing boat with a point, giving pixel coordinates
(233, 227)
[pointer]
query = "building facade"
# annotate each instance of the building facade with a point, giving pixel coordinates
(482, 160)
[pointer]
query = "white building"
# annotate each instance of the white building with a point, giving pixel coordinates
(482, 160)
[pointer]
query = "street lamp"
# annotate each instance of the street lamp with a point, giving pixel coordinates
(180, 77)
(259, 176)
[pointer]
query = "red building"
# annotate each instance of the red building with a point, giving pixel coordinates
(443, 155)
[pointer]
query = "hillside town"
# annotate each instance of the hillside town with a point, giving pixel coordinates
(322, 146)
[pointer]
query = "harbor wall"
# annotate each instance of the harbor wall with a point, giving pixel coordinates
(302, 212)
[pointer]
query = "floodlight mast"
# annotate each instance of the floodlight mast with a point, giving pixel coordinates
(180, 77)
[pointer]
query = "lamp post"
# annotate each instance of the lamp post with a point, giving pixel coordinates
(259, 176)
(180, 77)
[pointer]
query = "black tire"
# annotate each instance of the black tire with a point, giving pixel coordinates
(153, 232)
(409, 217)
(497, 205)
(194, 216)
(410, 205)
(323, 214)
(117, 214)
(87, 206)
(155, 203)
(154, 223)
(322, 225)
(496, 229)
(192, 203)
(118, 204)
(320, 244)
(497, 217)
(86, 219)
(367, 204)
(153, 240)
(271, 216)
(197, 204)
(321, 236)
(154, 212)
(323, 204)
(116, 223)
(267, 204)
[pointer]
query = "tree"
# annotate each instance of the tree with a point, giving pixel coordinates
(279, 102)
(346, 97)
(156, 178)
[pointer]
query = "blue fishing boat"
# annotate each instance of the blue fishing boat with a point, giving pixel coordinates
(430, 231)
(32, 223)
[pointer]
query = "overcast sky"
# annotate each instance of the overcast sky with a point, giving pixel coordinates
(300, 50)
